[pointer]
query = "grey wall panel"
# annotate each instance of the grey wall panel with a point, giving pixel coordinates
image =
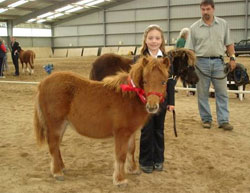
(41, 42)
(96, 17)
(152, 14)
(235, 8)
(120, 16)
(237, 35)
(90, 29)
(126, 23)
(141, 4)
(95, 41)
(185, 11)
(66, 42)
(123, 39)
(65, 31)
(141, 26)
(139, 39)
(236, 22)
(120, 28)
(178, 24)
(25, 42)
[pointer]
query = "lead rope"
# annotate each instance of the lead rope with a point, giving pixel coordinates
(174, 120)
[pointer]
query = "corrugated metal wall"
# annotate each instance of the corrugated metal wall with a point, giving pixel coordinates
(124, 24)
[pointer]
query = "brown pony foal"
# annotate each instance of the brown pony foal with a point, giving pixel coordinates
(66, 98)
(27, 57)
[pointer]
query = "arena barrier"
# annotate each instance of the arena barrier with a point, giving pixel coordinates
(59, 53)
(126, 50)
(106, 50)
(90, 52)
(74, 52)
(240, 91)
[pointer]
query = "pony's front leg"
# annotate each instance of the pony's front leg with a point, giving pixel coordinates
(130, 166)
(121, 147)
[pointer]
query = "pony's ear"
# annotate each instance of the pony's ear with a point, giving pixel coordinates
(136, 73)
(144, 61)
(166, 61)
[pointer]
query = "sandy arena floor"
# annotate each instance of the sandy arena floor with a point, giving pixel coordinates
(197, 161)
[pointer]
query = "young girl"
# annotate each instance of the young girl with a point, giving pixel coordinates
(152, 135)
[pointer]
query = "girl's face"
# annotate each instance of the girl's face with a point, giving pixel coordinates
(154, 40)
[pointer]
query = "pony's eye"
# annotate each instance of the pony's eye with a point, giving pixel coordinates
(164, 82)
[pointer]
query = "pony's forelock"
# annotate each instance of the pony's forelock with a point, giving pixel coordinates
(180, 52)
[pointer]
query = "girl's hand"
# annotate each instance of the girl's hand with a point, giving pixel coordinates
(170, 108)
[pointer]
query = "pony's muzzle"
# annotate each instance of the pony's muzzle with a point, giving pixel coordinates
(152, 108)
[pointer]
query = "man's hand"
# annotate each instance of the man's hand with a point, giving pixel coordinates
(232, 65)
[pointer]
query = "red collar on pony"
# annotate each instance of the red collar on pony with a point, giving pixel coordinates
(140, 92)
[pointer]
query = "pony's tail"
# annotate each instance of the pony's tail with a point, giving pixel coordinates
(39, 125)
(32, 57)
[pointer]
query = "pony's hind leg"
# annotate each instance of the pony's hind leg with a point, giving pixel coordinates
(121, 147)
(54, 139)
(130, 165)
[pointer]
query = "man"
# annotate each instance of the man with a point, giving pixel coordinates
(15, 49)
(207, 39)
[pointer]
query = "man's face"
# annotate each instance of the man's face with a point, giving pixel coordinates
(207, 12)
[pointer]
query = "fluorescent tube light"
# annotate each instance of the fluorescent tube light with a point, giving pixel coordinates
(74, 9)
(95, 2)
(64, 8)
(41, 20)
(3, 10)
(18, 3)
(83, 2)
(45, 15)
(31, 20)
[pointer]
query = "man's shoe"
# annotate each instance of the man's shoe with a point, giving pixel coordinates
(158, 166)
(147, 169)
(226, 126)
(206, 125)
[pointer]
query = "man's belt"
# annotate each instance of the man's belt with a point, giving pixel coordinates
(211, 57)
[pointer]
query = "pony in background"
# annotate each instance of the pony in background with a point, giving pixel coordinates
(27, 57)
(66, 98)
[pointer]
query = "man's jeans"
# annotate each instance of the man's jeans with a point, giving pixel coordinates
(215, 68)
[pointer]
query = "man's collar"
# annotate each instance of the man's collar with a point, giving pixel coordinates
(202, 23)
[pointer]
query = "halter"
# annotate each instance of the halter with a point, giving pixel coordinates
(140, 92)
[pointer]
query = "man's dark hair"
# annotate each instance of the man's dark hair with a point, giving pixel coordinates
(207, 2)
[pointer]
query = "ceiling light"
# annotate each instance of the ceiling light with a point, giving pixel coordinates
(74, 9)
(45, 15)
(18, 3)
(31, 20)
(55, 16)
(3, 10)
(95, 2)
(83, 2)
(64, 8)
(41, 20)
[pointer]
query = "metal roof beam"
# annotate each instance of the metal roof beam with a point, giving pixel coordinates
(42, 11)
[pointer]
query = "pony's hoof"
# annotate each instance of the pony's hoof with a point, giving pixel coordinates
(133, 172)
(122, 183)
(59, 178)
